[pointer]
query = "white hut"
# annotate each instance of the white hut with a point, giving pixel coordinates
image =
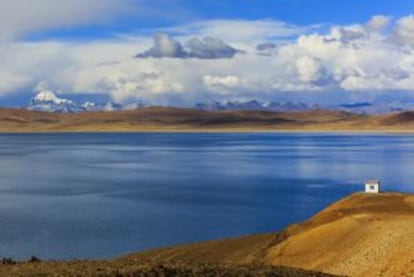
(372, 186)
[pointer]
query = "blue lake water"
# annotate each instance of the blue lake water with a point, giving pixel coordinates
(65, 196)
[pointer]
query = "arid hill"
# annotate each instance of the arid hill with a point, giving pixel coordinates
(180, 119)
(361, 235)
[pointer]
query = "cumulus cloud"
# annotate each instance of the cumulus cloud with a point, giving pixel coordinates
(372, 56)
(207, 48)
(126, 87)
(164, 47)
(210, 48)
(378, 23)
(309, 69)
(221, 84)
(404, 31)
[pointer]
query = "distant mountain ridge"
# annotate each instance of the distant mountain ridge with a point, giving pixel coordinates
(353, 107)
(255, 106)
(48, 101)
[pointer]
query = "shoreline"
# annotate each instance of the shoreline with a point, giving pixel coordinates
(209, 131)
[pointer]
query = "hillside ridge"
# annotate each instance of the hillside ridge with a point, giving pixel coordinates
(160, 119)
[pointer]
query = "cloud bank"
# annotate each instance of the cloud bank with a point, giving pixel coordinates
(376, 56)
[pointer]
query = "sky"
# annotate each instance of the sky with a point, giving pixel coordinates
(180, 52)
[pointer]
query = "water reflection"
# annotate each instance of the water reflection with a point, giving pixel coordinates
(103, 195)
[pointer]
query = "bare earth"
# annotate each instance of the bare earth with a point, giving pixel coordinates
(158, 119)
(361, 235)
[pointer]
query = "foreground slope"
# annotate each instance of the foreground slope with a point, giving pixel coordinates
(361, 235)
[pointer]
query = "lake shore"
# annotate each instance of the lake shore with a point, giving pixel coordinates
(361, 234)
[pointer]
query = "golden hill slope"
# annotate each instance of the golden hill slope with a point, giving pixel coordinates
(362, 235)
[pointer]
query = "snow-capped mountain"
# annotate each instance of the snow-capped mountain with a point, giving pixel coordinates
(353, 107)
(254, 105)
(376, 108)
(49, 96)
(48, 101)
(109, 107)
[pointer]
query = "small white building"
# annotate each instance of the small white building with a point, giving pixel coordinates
(372, 186)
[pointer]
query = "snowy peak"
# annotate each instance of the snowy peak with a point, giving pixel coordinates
(49, 96)
(47, 101)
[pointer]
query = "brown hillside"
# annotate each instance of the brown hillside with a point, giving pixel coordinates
(362, 235)
(402, 118)
(172, 119)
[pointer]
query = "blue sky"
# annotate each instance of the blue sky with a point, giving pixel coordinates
(304, 50)
(300, 12)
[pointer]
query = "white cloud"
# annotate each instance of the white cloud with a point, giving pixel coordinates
(378, 23)
(221, 84)
(404, 30)
(206, 48)
(164, 46)
(309, 69)
(245, 34)
(373, 56)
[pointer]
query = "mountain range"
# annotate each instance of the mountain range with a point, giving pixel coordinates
(255, 105)
(48, 101)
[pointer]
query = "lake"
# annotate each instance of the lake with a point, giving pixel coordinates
(66, 196)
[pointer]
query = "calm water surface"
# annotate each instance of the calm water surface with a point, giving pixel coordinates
(102, 195)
